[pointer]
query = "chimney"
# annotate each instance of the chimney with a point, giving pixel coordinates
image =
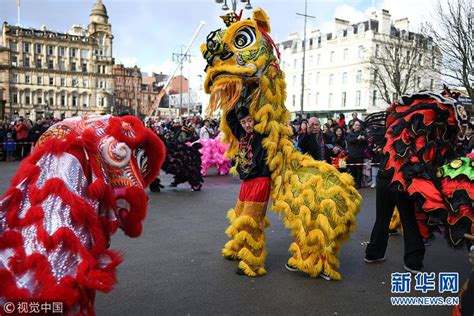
(384, 22)
(402, 24)
(340, 24)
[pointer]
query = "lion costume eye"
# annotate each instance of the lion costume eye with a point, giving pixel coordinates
(245, 37)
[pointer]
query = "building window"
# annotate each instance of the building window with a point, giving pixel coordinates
(361, 51)
(331, 79)
(311, 60)
(377, 48)
(14, 77)
(39, 99)
(26, 47)
(331, 58)
(62, 51)
(318, 59)
(50, 64)
(294, 100)
(14, 46)
(84, 67)
(63, 82)
(357, 98)
(14, 61)
(26, 62)
(359, 76)
(294, 64)
(343, 101)
(74, 82)
(72, 51)
(51, 81)
(84, 53)
(73, 66)
(346, 53)
(308, 102)
(15, 98)
(74, 100)
(27, 79)
(39, 63)
(38, 48)
(317, 78)
(294, 81)
(344, 77)
(101, 101)
(317, 98)
(27, 99)
(63, 100)
(62, 65)
(374, 97)
(39, 80)
(51, 100)
(85, 83)
(50, 50)
(330, 100)
(310, 78)
(433, 61)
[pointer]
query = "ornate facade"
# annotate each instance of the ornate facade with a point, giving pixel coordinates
(46, 73)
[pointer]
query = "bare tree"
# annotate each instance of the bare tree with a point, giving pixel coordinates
(398, 63)
(452, 29)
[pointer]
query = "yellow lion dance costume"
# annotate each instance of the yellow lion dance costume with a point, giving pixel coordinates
(318, 203)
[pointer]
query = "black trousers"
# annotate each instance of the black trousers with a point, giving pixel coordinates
(356, 171)
(386, 200)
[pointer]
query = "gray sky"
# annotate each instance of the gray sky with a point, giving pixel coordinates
(147, 32)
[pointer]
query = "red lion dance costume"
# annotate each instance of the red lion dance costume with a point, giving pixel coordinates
(84, 179)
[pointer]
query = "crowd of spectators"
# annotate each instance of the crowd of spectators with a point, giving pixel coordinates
(17, 137)
(333, 139)
(195, 127)
(349, 141)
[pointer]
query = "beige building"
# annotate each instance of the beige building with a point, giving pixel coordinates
(340, 66)
(46, 73)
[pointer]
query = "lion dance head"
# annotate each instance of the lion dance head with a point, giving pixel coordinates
(84, 179)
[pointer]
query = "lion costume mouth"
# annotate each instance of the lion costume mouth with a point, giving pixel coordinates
(229, 91)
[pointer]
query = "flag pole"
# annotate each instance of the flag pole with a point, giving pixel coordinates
(18, 8)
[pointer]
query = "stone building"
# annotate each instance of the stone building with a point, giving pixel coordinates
(339, 73)
(48, 73)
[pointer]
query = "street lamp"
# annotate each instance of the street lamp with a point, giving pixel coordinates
(179, 58)
(225, 7)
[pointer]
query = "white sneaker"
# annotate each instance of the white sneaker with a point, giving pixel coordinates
(412, 271)
(373, 185)
(374, 260)
(325, 276)
(290, 268)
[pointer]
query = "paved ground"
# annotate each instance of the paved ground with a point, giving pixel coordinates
(175, 267)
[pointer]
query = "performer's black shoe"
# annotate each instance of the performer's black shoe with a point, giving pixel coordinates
(230, 258)
(173, 185)
(411, 270)
(393, 232)
(239, 271)
(291, 268)
(325, 276)
(370, 260)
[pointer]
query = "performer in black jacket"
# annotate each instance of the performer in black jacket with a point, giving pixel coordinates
(247, 220)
